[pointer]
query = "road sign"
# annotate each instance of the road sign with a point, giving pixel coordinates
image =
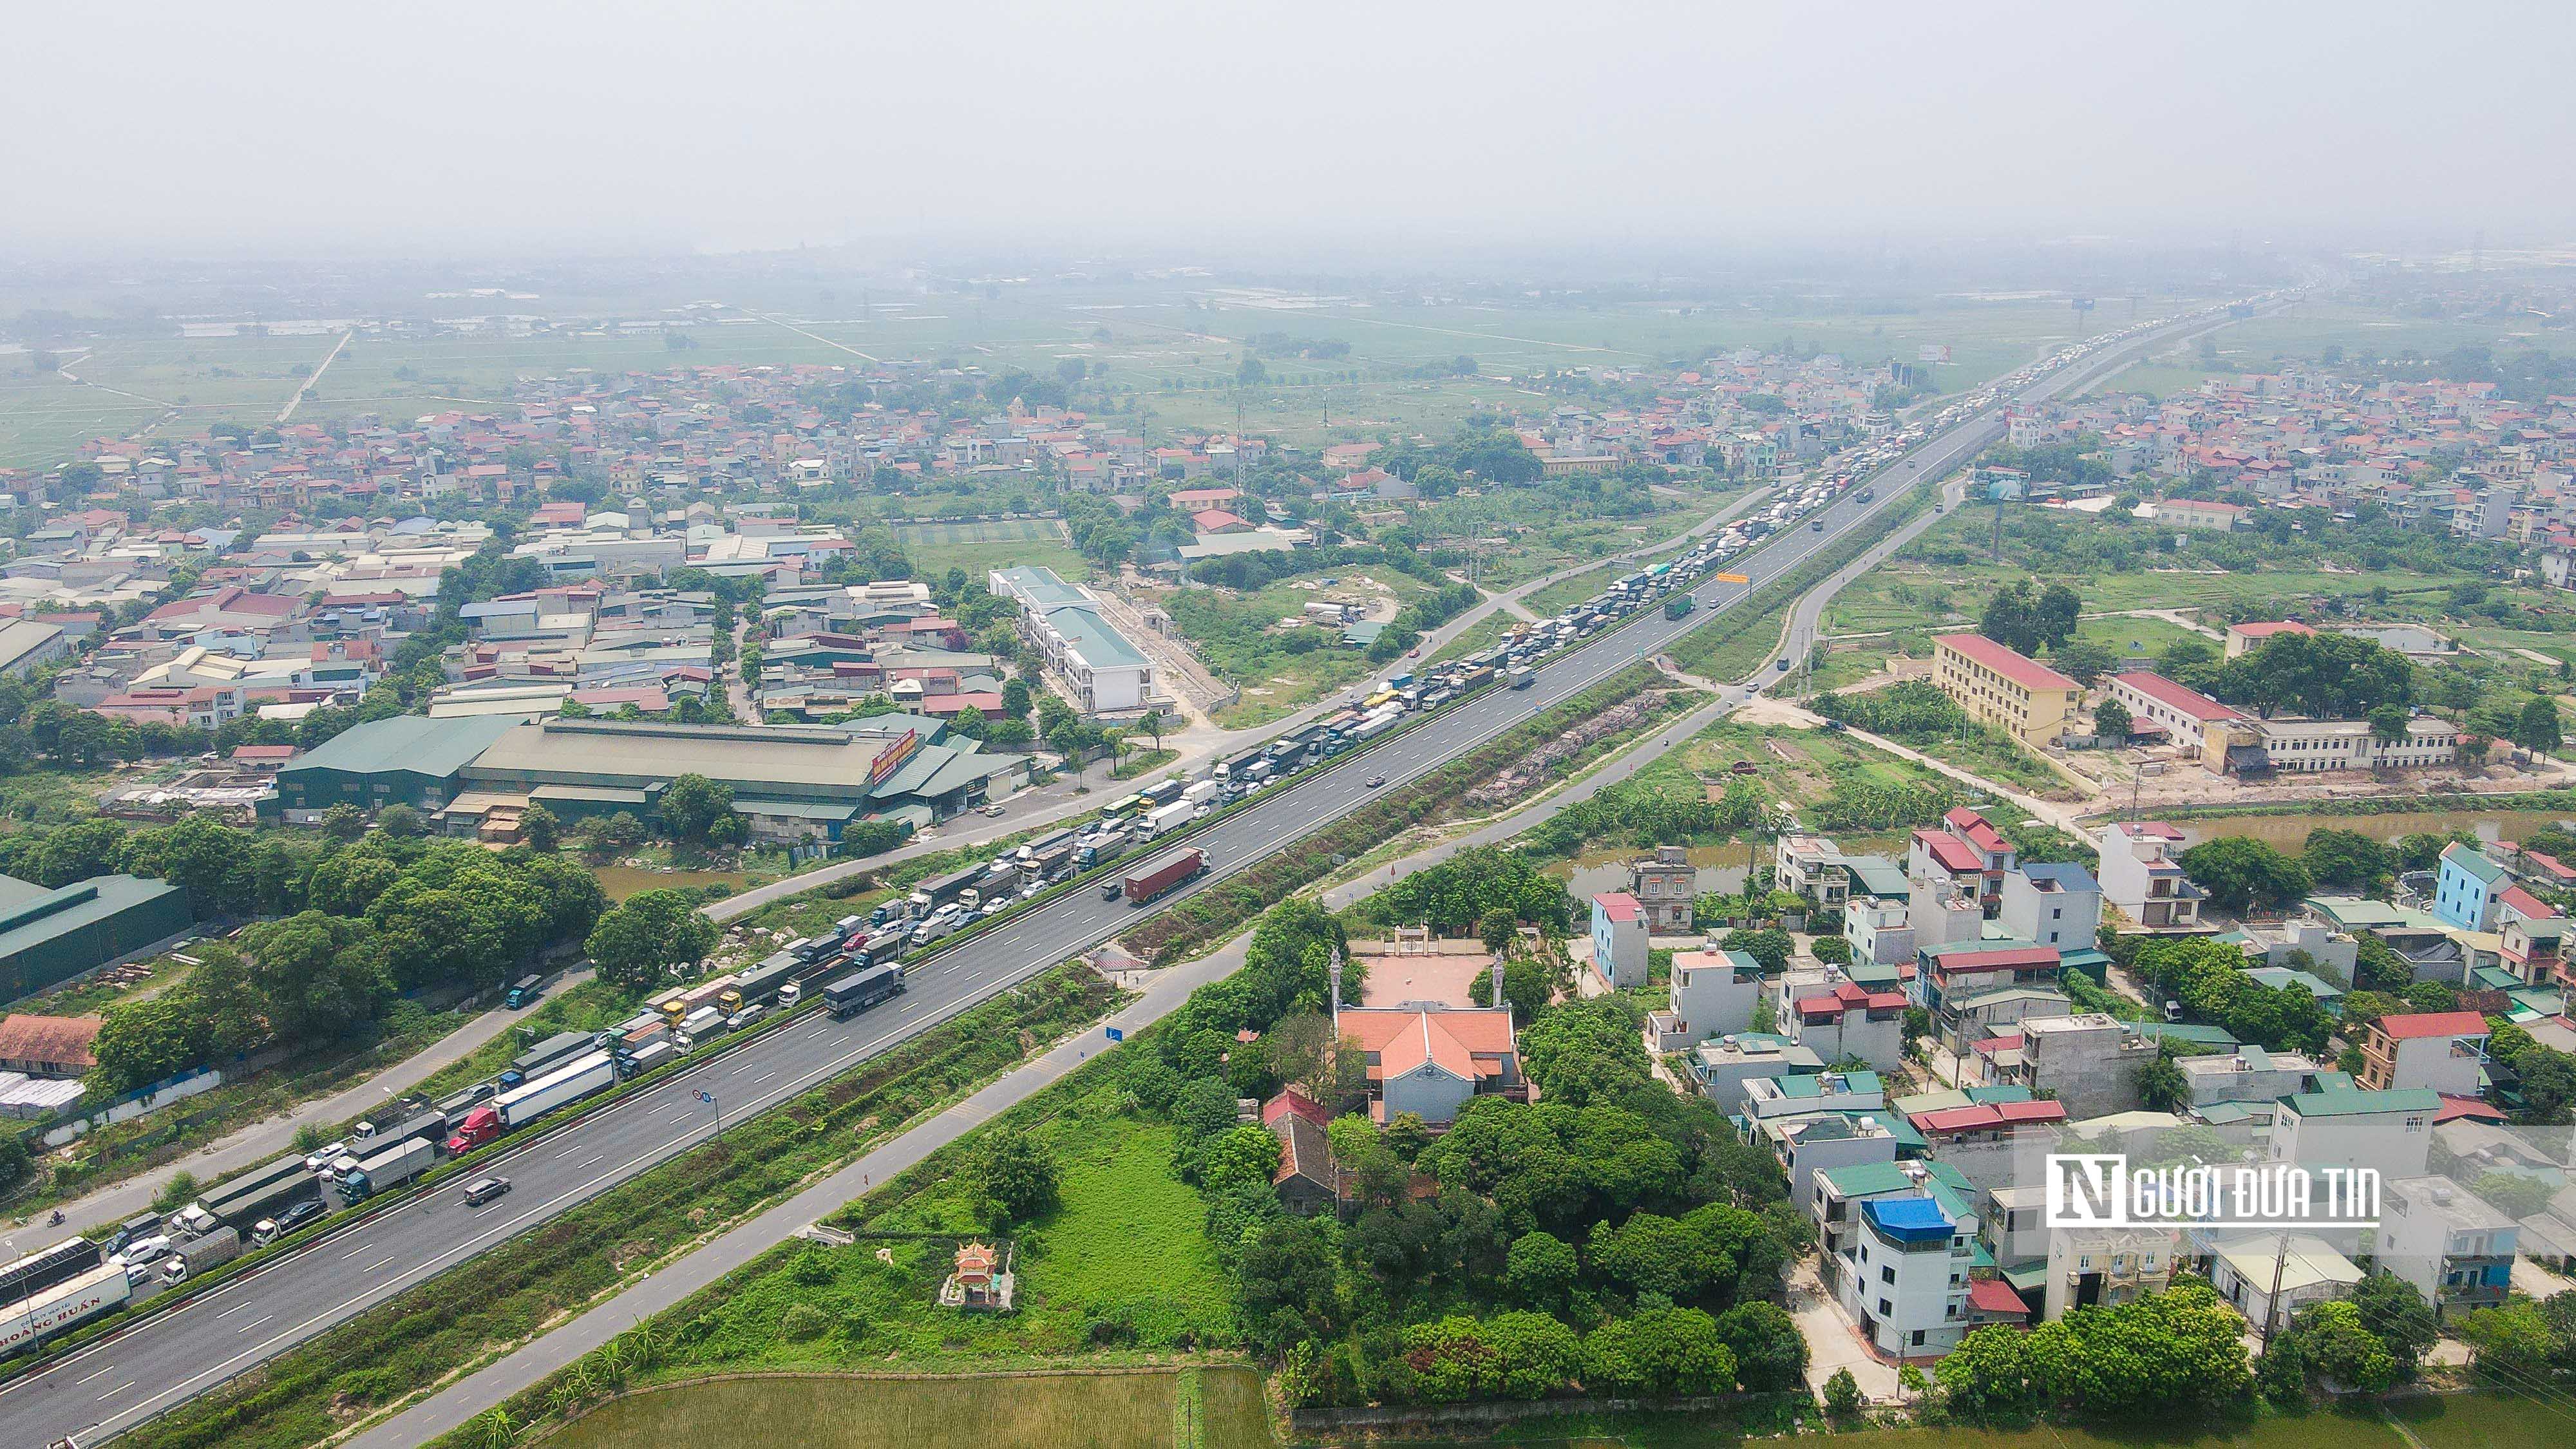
(1730, 578)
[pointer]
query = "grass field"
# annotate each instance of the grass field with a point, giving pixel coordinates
(1241, 639)
(1063, 1411)
(1001, 543)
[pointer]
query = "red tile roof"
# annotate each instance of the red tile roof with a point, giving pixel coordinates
(1469, 1043)
(1986, 1115)
(2416, 1025)
(1617, 905)
(1950, 851)
(1972, 827)
(2176, 696)
(2524, 903)
(2011, 664)
(2466, 1109)
(1994, 1295)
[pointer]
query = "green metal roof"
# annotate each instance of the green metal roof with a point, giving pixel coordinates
(2472, 861)
(406, 744)
(2362, 1102)
(1861, 1179)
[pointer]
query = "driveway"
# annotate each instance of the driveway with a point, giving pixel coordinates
(1833, 1342)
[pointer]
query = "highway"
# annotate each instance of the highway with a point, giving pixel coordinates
(162, 1360)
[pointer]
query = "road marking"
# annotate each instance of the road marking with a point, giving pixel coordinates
(353, 1252)
(578, 1166)
(236, 1308)
(94, 1373)
(765, 1076)
(380, 1262)
(254, 1323)
(112, 1393)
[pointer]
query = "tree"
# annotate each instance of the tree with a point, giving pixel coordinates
(1016, 1175)
(2082, 660)
(2240, 873)
(1497, 928)
(1770, 1353)
(1660, 1351)
(1153, 723)
(344, 822)
(315, 976)
(1540, 1270)
(402, 822)
(2388, 723)
(2111, 721)
(640, 939)
(2161, 1085)
(2395, 1313)
(2536, 729)
(1842, 1394)
(1244, 1154)
(1015, 698)
(2345, 858)
(692, 804)
(2334, 1343)
(539, 827)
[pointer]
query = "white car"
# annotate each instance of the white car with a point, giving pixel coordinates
(322, 1157)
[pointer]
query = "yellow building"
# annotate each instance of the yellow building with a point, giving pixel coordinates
(2003, 688)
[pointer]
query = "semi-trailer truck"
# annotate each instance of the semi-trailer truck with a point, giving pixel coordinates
(585, 1075)
(388, 1169)
(860, 990)
(537, 1060)
(47, 1267)
(1166, 819)
(249, 1197)
(28, 1321)
(1161, 874)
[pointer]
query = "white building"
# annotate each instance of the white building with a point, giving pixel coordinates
(2141, 877)
(1102, 673)
(2245, 1270)
(2455, 1247)
(1905, 1272)
(1713, 993)
(2052, 905)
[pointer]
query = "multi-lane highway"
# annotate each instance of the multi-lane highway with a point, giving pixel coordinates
(162, 1360)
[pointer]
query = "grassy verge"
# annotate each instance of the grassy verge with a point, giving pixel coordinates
(316, 1390)
(1142, 762)
(1484, 634)
(1735, 643)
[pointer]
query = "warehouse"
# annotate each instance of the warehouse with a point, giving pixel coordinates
(795, 782)
(411, 760)
(51, 935)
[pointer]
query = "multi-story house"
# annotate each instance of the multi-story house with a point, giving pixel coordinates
(2441, 1051)
(1666, 884)
(2455, 1247)
(2142, 878)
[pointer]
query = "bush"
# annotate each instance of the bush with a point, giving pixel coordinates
(803, 1321)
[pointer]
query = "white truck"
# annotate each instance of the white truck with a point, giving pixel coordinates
(23, 1324)
(1204, 792)
(1168, 818)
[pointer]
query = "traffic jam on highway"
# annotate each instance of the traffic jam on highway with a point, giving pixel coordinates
(47, 1293)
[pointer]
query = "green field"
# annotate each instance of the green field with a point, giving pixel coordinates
(1060, 1411)
(981, 546)
(1238, 636)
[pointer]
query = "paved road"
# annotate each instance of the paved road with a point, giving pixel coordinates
(113, 1204)
(165, 1359)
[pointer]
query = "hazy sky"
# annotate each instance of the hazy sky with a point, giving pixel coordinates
(742, 123)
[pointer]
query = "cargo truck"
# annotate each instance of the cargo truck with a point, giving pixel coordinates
(759, 985)
(47, 1267)
(275, 1182)
(1101, 851)
(1161, 792)
(1678, 606)
(938, 891)
(647, 1058)
(199, 1256)
(703, 1024)
(1203, 792)
(860, 990)
(1521, 676)
(1166, 819)
(1161, 874)
(388, 1169)
(536, 1061)
(30, 1320)
(689, 1002)
(581, 1077)
(882, 945)
(524, 992)
(427, 1124)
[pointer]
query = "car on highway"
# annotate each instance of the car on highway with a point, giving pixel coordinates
(1376, 780)
(484, 1189)
(324, 1156)
(1783, 665)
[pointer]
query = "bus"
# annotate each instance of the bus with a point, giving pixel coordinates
(1124, 807)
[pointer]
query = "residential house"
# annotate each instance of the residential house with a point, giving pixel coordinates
(1619, 939)
(2269, 1277)
(2454, 1246)
(1713, 993)
(2468, 887)
(2388, 1131)
(2142, 878)
(1666, 885)
(2441, 1051)
(2052, 905)
(1431, 1062)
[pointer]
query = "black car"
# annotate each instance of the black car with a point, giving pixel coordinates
(289, 1220)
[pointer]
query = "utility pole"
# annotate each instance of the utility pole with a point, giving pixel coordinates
(2272, 1302)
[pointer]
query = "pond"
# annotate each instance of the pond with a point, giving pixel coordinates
(1043, 1411)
